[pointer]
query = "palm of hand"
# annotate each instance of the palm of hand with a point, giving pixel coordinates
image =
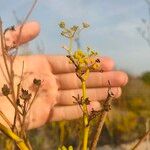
(34, 67)
(54, 101)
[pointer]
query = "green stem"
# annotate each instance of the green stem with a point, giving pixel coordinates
(20, 143)
(62, 132)
(85, 118)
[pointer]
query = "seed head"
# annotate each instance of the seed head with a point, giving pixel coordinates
(62, 24)
(85, 25)
(25, 95)
(37, 82)
(5, 90)
(74, 28)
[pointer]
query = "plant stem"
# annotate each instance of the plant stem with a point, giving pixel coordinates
(5, 119)
(3, 48)
(20, 143)
(85, 118)
(106, 108)
(141, 140)
(101, 122)
(62, 132)
(10, 72)
(14, 105)
(70, 44)
(35, 95)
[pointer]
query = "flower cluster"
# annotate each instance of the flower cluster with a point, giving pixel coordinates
(83, 61)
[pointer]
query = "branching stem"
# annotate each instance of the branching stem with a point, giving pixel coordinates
(20, 143)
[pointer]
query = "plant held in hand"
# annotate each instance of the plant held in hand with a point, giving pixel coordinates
(20, 99)
(84, 62)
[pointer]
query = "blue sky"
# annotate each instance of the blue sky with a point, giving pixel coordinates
(112, 32)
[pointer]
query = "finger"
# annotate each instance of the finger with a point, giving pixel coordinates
(60, 64)
(95, 80)
(65, 97)
(22, 34)
(59, 113)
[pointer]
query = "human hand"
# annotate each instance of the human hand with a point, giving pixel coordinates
(54, 101)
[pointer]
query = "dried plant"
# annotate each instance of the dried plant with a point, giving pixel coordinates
(106, 107)
(21, 100)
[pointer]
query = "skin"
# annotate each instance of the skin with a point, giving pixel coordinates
(59, 82)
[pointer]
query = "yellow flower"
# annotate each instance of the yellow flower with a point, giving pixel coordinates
(78, 54)
(92, 61)
(96, 66)
(86, 61)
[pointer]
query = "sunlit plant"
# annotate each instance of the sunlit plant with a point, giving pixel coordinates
(84, 62)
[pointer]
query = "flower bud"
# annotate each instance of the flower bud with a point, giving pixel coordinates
(85, 25)
(62, 24)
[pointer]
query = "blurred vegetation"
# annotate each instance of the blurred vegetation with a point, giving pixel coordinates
(125, 123)
(146, 78)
